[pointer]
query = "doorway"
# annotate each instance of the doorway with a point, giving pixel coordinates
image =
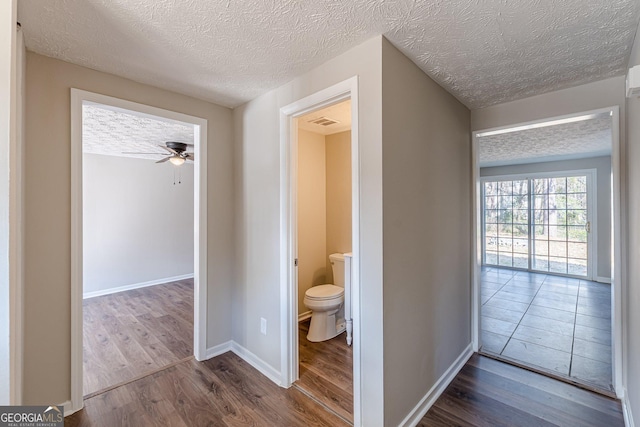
(344, 91)
(80, 100)
(546, 218)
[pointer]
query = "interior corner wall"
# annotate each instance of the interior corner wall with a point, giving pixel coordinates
(137, 222)
(338, 159)
(257, 205)
(47, 242)
(312, 216)
(427, 232)
(631, 317)
(603, 197)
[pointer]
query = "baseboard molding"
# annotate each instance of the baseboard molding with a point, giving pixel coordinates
(136, 286)
(218, 349)
(626, 411)
(68, 408)
(304, 316)
(603, 280)
(263, 367)
(416, 414)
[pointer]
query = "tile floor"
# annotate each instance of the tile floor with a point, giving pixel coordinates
(555, 323)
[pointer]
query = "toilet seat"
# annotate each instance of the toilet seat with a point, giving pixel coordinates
(324, 292)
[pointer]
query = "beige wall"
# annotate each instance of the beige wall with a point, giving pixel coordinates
(427, 220)
(312, 218)
(48, 212)
(632, 298)
(338, 155)
(257, 191)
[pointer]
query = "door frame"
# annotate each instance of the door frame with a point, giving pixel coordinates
(78, 97)
(342, 91)
(592, 214)
(618, 278)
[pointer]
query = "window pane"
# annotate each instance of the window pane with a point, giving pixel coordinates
(505, 188)
(491, 202)
(557, 232)
(491, 258)
(540, 247)
(558, 185)
(557, 201)
(521, 216)
(557, 217)
(541, 217)
(520, 261)
(578, 267)
(541, 263)
(576, 217)
(521, 187)
(541, 202)
(577, 201)
(491, 230)
(505, 216)
(505, 260)
(577, 234)
(491, 216)
(577, 250)
(558, 249)
(558, 265)
(541, 232)
(491, 188)
(521, 246)
(577, 184)
(520, 202)
(541, 186)
(505, 202)
(505, 230)
(521, 231)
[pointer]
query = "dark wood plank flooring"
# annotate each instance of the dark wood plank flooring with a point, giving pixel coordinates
(132, 333)
(223, 391)
(326, 371)
(487, 392)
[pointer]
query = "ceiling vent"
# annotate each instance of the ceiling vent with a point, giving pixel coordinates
(324, 121)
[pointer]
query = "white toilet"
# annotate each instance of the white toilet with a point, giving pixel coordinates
(326, 304)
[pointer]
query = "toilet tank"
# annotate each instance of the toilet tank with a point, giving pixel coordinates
(337, 266)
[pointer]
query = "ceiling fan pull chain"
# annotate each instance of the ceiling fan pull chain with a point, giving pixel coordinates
(174, 177)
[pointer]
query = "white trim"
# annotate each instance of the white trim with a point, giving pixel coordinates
(476, 246)
(154, 282)
(347, 89)
(618, 274)
(67, 408)
(219, 349)
(601, 279)
(626, 411)
(304, 316)
(200, 226)
(263, 367)
(419, 411)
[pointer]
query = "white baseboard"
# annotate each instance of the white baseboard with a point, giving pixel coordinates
(304, 316)
(626, 411)
(136, 286)
(218, 349)
(603, 279)
(253, 360)
(419, 411)
(68, 408)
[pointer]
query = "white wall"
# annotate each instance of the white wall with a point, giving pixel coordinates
(312, 213)
(603, 197)
(138, 224)
(257, 203)
(427, 232)
(632, 315)
(7, 133)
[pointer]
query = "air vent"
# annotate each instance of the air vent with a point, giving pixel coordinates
(324, 121)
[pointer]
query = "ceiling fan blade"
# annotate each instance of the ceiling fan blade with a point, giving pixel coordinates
(130, 152)
(170, 150)
(164, 160)
(190, 156)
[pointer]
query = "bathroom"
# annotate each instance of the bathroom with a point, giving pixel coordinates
(324, 233)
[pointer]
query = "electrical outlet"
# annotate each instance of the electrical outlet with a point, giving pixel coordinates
(263, 326)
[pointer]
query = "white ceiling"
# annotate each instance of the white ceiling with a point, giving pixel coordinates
(228, 52)
(582, 139)
(340, 113)
(114, 132)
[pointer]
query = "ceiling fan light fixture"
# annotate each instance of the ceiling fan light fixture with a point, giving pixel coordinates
(176, 160)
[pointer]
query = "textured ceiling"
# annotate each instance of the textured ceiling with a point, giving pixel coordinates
(113, 132)
(340, 113)
(587, 138)
(228, 52)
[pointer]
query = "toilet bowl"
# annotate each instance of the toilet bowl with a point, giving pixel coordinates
(326, 303)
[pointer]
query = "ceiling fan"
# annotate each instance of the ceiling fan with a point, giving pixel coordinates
(177, 150)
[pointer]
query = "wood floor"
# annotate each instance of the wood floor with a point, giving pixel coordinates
(223, 391)
(490, 393)
(132, 333)
(326, 371)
